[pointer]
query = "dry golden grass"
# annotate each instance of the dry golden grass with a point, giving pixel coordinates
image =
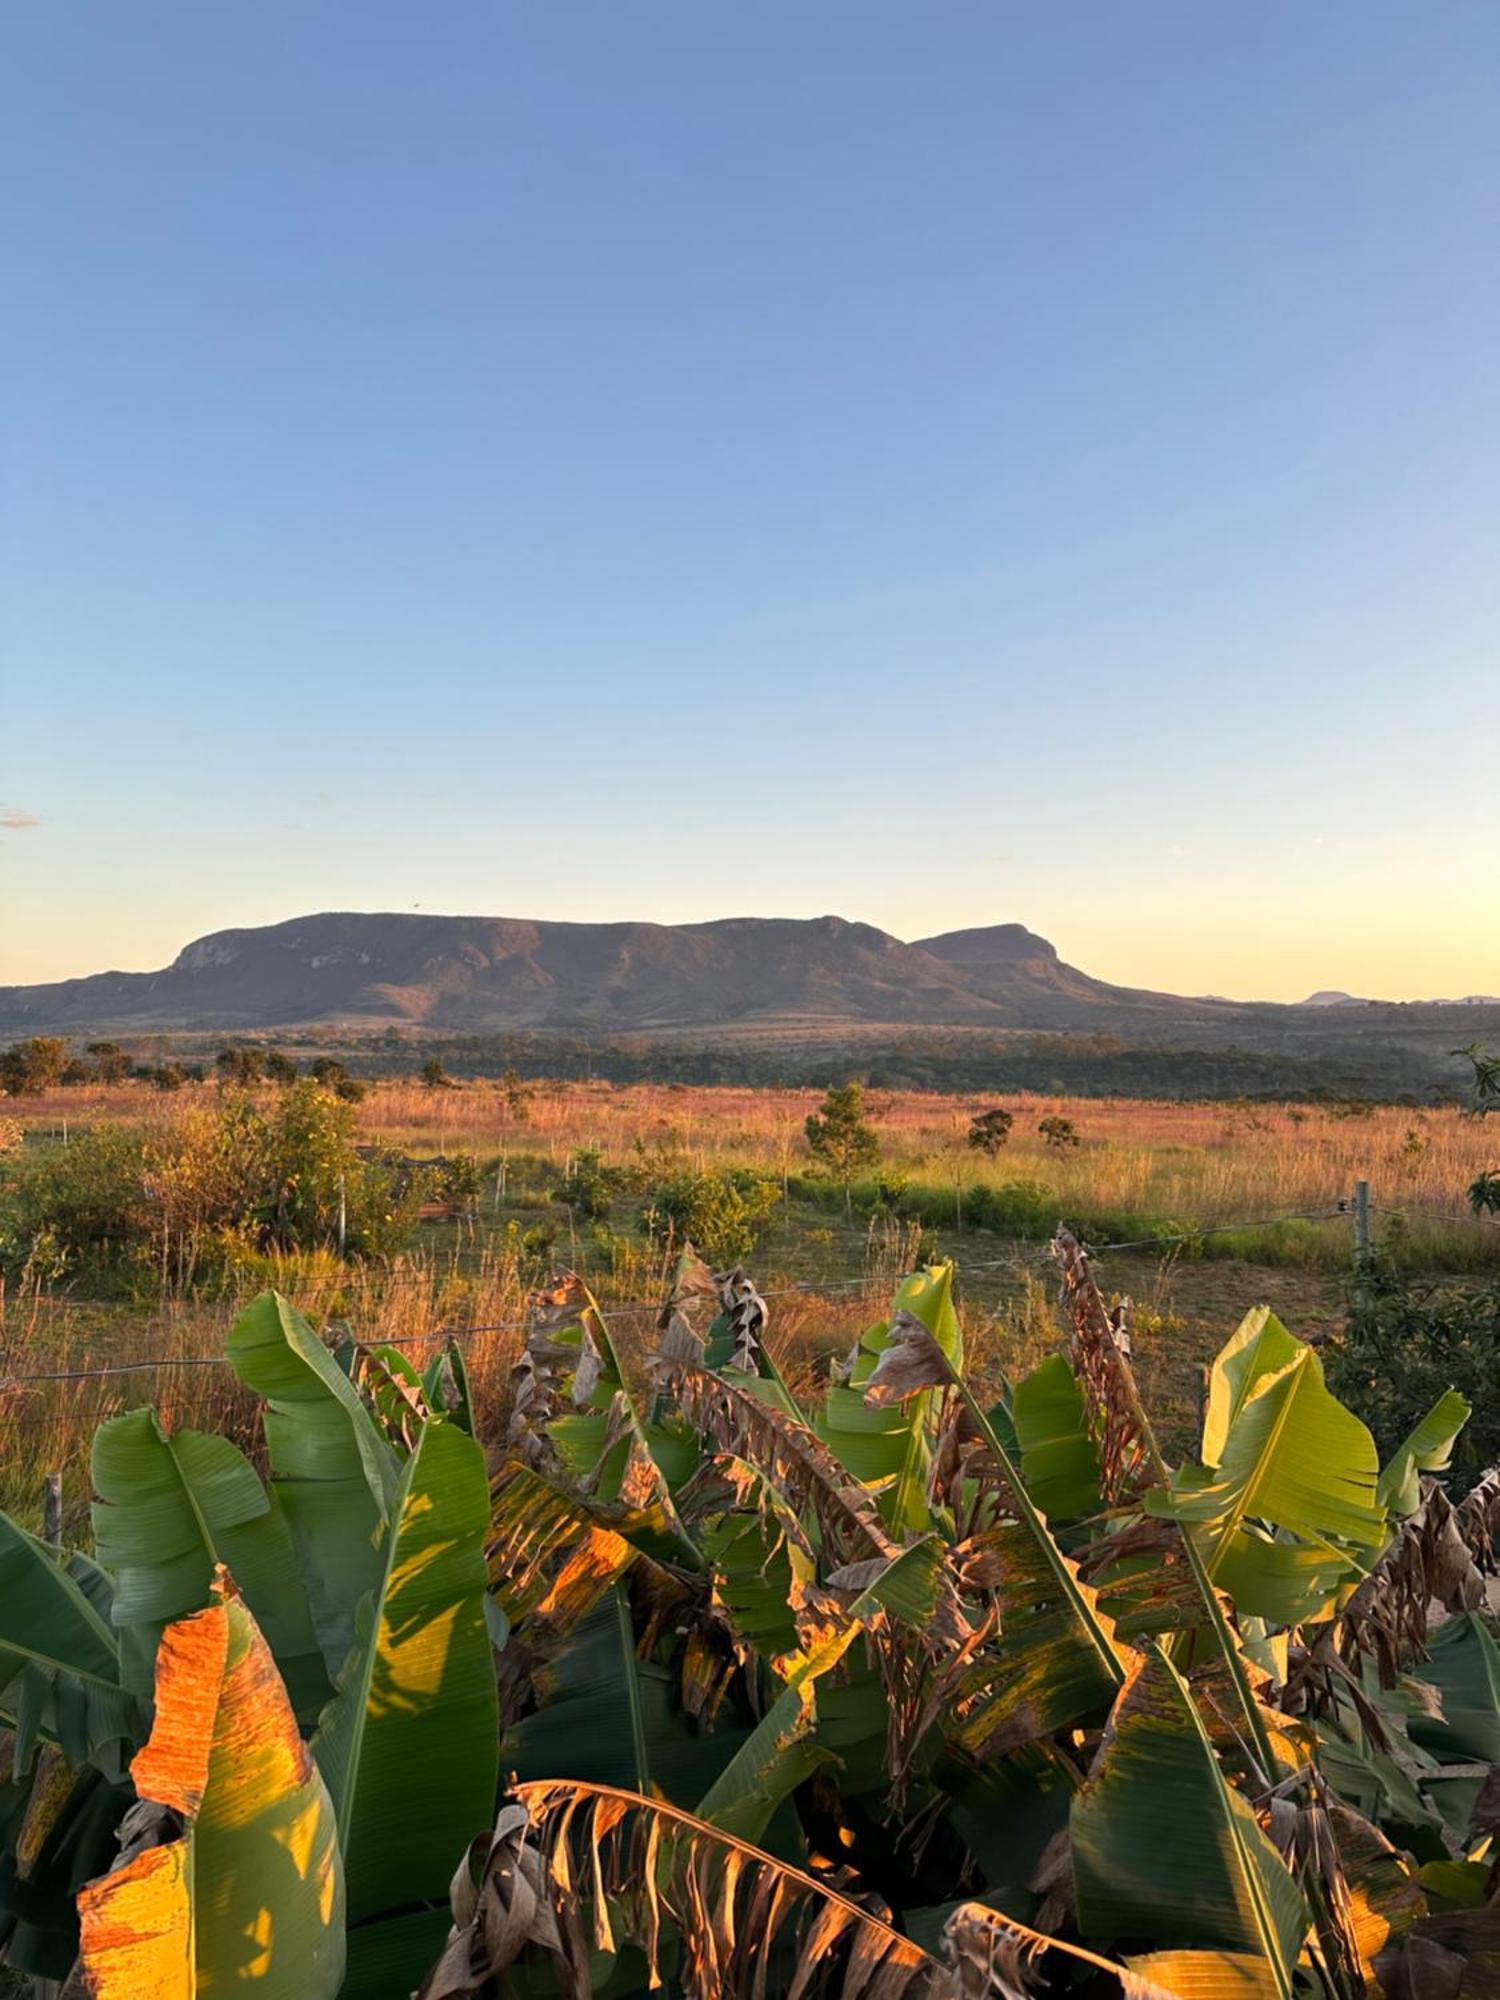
(1205, 1161)
(1198, 1163)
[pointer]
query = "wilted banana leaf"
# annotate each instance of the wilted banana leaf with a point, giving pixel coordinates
(1429, 1448)
(549, 1552)
(1385, 1896)
(59, 1660)
(1055, 1662)
(572, 1406)
(744, 1923)
(408, 1744)
(888, 1447)
(1059, 1459)
(170, 1509)
(249, 1894)
(1164, 1849)
(333, 1474)
(1296, 1462)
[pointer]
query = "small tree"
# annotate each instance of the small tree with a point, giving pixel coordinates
(280, 1069)
(241, 1066)
(518, 1096)
(989, 1131)
(841, 1138)
(30, 1067)
(434, 1076)
(1059, 1132)
(1484, 1193)
(111, 1064)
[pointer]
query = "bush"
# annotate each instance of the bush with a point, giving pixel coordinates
(989, 1131)
(1404, 1342)
(181, 1202)
(1014, 1208)
(1059, 1132)
(30, 1067)
(721, 1215)
(590, 1186)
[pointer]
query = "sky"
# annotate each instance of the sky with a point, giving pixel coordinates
(942, 464)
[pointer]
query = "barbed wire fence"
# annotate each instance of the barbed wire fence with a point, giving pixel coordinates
(453, 1331)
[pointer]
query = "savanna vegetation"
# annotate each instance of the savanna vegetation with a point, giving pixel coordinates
(879, 1627)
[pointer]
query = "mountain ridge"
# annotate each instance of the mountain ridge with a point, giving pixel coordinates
(372, 969)
(365, 969)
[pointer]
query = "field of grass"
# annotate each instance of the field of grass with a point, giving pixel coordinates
(1189, 1189)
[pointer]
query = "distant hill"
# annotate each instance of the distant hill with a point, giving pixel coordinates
(498, 973)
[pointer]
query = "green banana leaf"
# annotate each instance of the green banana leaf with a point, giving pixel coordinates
(1295, 1464)
(1164, 1849)
(1429, 1448)
(1463, 1664)
(760, 1557)
(408, 1746)
(59, 1661)
(1059, 1459)
(1259, 1346)
(445, 1383)
(332, 1472)
(780, 1753)
(250, 1895)
(889, 1449)
(172, 1507)
(608, 1716)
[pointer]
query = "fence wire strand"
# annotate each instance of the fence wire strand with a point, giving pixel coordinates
(808, 1288)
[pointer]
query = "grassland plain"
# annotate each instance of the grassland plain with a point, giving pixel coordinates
(1216, 1207)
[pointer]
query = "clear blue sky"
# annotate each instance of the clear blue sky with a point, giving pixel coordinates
(942, 463)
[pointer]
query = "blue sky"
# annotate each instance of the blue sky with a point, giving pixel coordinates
(940, 463)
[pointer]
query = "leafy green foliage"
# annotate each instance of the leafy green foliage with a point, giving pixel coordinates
(840, 1136)
(721, 1214)
(32, 1066)
(989, 1130)
(1404, 1342)
(184, 1201)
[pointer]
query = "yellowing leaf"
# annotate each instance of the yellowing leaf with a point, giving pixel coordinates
(251, 1894)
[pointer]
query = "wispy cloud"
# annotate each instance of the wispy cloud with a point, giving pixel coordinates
(12, 819)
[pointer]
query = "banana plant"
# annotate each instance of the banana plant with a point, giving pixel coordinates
(333, 1473)
(170, 1509)
(888, 1445)
(408, 1743)
(230, 1873)
(1166, 1850)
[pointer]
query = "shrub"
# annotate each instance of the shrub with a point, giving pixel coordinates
(721, 1215)
(32, 1066)
(1015, 1208)
(989, 1131)
(590, 1185)
(1059, 1132)
(178, 1202)
(239, 1066)
(1403, 1343)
